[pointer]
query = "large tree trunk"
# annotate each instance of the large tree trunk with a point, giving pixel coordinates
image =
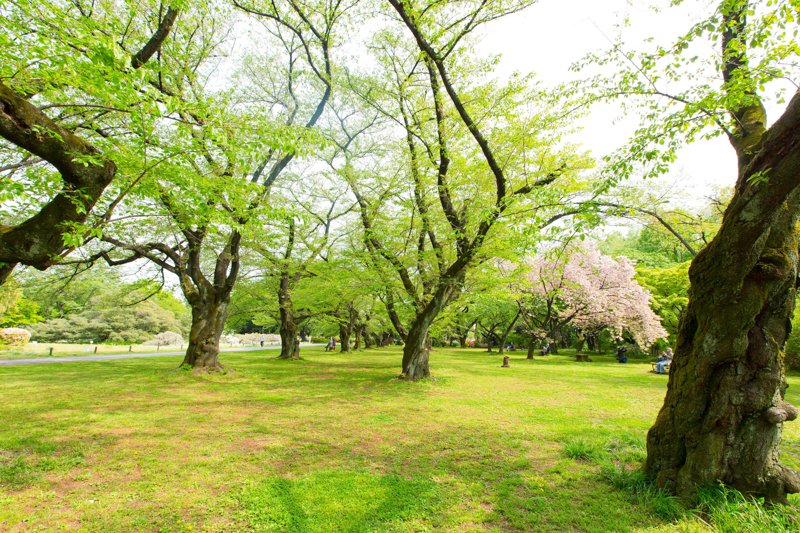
(531, 347)
(208, 321)
(724, 410)
(417, 346)
(417, 351)
(723, 413)
(290, 348)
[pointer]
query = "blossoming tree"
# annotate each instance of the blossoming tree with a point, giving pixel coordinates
(589, 291)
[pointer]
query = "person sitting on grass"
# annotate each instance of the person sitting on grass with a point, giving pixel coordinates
(663, 361)
(621, 357)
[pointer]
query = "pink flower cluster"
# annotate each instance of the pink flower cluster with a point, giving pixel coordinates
(596, 292)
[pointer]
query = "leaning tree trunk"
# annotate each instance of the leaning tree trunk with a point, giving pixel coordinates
(723, 413)
(290, 348)
(507, 332)
(416, 350)
(208, 322)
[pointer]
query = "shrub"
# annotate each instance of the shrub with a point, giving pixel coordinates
(230, 339)
(14, 336)
(166, 338)
(128, 336)
(125, 324)
(255, 338)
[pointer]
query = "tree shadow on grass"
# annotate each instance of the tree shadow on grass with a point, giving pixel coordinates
(337, 500)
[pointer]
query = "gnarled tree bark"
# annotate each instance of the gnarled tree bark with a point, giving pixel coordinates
(724, 409)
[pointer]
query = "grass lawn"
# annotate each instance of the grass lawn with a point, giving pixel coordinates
(335, 443)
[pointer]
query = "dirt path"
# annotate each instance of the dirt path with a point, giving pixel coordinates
(81, 358)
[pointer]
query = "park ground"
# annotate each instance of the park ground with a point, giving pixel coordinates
(55, 350)
(335, 442)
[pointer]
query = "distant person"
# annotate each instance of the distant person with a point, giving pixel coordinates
(621, 355)
(261, 339)
(663, 361)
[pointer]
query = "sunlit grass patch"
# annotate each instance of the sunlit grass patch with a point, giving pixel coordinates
(659, 502)
(729, 510)
(338, 501)
(135, 445)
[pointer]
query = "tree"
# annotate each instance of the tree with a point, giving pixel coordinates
(305, 235)
(590, 292)
(233, 146)
(669, 288)
(458, 188)
(724, 408)
(61, 64)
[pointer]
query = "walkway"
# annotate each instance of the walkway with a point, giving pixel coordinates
(81, 358)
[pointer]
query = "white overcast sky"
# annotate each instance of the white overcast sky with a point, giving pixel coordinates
(551, 35)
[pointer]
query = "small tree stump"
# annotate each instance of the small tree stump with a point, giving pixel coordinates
(505, 363)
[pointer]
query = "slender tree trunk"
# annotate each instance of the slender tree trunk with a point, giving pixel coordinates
(290, 348)
(344, 338)
(368, 340)
(208, 322)
(581, 342)
(552, 347)
(462, 340)
(507, 332)
(531, 347)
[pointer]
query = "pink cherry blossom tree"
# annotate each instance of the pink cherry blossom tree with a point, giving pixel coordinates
(589, 291)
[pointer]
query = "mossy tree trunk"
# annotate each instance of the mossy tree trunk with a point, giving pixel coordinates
(724, 409)
(290, 348)
(416, 350)
(208, 322)
(209, 299)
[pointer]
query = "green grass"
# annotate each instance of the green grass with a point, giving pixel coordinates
(335, 443)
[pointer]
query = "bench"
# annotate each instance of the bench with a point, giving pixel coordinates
(666, 367)
(582, 358)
